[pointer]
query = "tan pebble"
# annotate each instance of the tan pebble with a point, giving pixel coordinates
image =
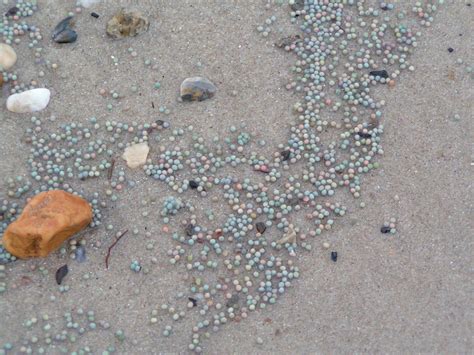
(7, 56)
(136, 155)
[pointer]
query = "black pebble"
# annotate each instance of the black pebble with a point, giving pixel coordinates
(94, 14)
(364, 135)
(233, 301)
(61, 273)
(190, 230)
(261, 227)
(450, 50)
(285, 155)
(334, 256)
(381, 73)
(194, 301)
(193, 184)
(385, 230)
(12, 11)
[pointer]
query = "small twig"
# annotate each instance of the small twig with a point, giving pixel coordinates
(110, 248)
(111, 169)
(152, 104)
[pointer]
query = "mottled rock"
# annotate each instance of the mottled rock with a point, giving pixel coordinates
(62, 33)
(66, 36)
(7, 56)
(197, 89)
(136, 155)
(46, 222)
(127, 24)
(29, 101)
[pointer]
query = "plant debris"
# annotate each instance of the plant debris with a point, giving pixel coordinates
(110, 248)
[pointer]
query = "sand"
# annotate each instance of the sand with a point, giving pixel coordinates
(404, 293)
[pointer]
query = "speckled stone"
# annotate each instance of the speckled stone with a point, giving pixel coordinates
(197, 89)
(127, 24)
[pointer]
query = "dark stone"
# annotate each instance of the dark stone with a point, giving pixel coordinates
(94, 14)
(190, 230)
(194, 301)
(193, 184)
(66, 36)
(233, 301)
(61, 26)
(285, 155)
(61, 273)
(261, 227)
(450, 50)
(364, 135)
(334, 256)
(380, 73)
(62, 33)
(12, 11)
(385, 229)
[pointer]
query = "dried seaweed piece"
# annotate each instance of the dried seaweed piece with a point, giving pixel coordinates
(110, 248)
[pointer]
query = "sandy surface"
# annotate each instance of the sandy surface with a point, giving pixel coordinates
(406, 293)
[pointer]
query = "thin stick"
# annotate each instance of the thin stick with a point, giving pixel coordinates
(110, 248)
(111, 169)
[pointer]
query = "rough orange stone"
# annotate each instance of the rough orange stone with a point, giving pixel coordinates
(45, 223)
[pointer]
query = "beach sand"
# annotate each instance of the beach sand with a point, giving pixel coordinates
(405, 293)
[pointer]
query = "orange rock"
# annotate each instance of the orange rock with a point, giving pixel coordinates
(46, 222)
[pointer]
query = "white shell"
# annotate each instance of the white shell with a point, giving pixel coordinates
(88, 3)
(29, 101)
(7, 56)
(136, 155)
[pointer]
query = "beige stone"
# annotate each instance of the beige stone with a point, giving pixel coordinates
(136, 155)
(7, 56)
